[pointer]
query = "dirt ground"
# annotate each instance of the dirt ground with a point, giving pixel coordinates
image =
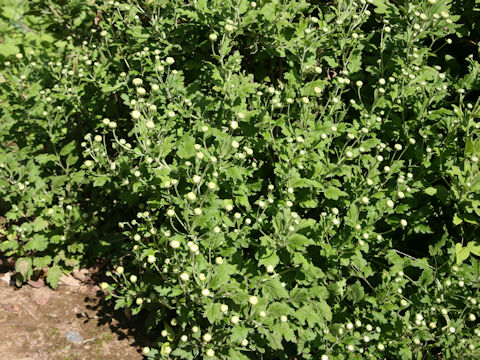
(34, 322)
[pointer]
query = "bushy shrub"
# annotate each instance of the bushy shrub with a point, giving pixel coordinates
(271, 179)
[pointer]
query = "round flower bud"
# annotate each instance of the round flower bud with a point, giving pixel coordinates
(194, 248)
(229, 28)
(151, 259)
(205, 292)
(175, 244)
(145, 350)
(207, 337)
(253, 300)
(136, 114)
(233, 125)
(170, 60)
(184, 276)
(137, 82)
(234, 319)
(133, 278)
(244, 342)
(104, 286)
(139, 301)
(119, 270)
(235, 144)
(196, 179)
(211, 185)
(210, 353)
(262, 314)
(283, 318)
(224, 308)
(213, 37)
(191, 196)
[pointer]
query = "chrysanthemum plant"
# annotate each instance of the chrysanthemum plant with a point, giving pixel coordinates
(291, 179)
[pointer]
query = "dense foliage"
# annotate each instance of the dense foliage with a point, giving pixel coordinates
(268, 180)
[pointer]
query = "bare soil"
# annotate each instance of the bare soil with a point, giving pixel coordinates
(34, 321)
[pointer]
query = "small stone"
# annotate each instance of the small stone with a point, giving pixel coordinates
(74, 336)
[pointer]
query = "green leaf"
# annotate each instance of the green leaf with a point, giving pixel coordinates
(39, 224)
(405, 353)
(186, 148)
(298, 241)
(38, 243)
(325, 309)
(236, 355)
(238, 334)
(42, 262)
(474, 249)
(274, 340)
(456, 220)
(212, 312)
(426, 278)
(461, 253)
(333, 193)
(100, 180)
(307, 314)
(67, 149)
(430, 191)
(274, 289)
(53, 275)
(355, 292)
(271, 259)
(24, 267)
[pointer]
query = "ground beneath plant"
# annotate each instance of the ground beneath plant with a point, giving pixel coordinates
(38, 323)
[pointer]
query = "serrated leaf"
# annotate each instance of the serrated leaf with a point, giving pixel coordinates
(474, 249)
(238, 334)
(39, 224)
(212, 312)
(274, 289)
(53, 276)
(298, 242)
(186, 147)
(38, 243)
(333, 193)
(42, 262)
(271, 259)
